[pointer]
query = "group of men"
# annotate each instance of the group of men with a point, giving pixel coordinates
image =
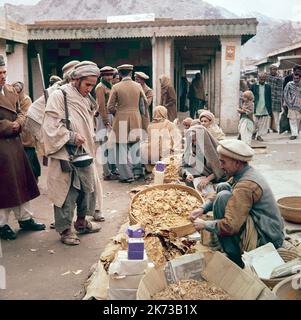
(124, 113)
(65, 120)
(277, 100)
(245, 211)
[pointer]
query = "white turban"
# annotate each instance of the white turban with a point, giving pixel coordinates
(68, 68)
(85, 69)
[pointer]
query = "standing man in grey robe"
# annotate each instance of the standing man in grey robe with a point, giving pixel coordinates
(292, 98)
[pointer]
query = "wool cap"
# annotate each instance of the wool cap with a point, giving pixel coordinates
(107, 71)
(141, 75)
(125, 67)
(235, 149)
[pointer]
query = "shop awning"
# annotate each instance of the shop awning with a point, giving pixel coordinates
(288, 62)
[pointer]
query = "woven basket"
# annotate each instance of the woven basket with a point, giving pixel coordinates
(287, 256)
(284, 290)
(166, 180)
(290, 208)
(179, 231)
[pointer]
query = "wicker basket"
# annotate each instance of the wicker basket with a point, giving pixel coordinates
(179, 231)
(286, 255)
(290, 208)
(284, 290)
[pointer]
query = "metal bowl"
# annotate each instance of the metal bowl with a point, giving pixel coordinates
(82, 161)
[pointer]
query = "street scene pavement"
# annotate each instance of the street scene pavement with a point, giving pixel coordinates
(39, 266)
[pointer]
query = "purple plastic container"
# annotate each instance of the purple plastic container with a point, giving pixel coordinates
(135, 244)
(138, 233)
(160, 166)
(135, 255)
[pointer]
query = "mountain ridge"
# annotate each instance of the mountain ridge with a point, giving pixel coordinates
(272, 34)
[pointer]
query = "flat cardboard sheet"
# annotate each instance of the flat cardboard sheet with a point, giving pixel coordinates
(263, 260)
(188, 266)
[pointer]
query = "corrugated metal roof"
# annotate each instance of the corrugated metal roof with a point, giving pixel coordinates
(158, 22)
(262, 61)
(68, 30)
(285, 49)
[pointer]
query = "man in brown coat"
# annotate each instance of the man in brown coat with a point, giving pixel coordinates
(141, 77)
(104, 122)
(196, 95)
(127, 102)
(17, 183)
(168, 97)
(28, 140)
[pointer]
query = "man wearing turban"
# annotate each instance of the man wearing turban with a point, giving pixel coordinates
(207, 120)
(65, 132)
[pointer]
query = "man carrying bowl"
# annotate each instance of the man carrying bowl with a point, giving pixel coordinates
(68, 131)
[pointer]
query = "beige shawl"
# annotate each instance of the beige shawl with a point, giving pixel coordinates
(206, 153)
(56, 135)
(213, 128)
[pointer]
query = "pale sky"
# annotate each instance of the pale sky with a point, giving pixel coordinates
(286, 9)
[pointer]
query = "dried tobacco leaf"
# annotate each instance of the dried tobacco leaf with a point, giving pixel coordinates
(161, 209)
(192, 290)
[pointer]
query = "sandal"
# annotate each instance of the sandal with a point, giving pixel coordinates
(99, 219)
(71, 239)
(89, 227)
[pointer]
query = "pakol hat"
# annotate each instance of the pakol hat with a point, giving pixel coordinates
(235, 149)
(129, 67)
(2, 62)
(141, 75)
(107, 71)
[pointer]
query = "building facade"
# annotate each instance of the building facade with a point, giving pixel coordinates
(162, 46)
(13, 46)
(285, 58)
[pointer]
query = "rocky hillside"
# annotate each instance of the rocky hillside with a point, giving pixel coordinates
(271, 34)
(100, 9)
